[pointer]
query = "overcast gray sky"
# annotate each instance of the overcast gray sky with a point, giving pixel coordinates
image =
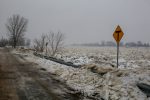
(81, 20)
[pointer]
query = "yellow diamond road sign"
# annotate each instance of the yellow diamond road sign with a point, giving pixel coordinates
(118, 34)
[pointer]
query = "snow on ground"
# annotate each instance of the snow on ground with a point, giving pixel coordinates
(74, 77)
(128, 57)
(108, 82)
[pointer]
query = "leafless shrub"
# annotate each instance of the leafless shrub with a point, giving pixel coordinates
(55, 42)
(3, 42)
(27, 42)
(39, 44)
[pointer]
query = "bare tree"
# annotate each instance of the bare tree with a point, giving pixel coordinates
(55, 42)
(16, 27)
(40, 43)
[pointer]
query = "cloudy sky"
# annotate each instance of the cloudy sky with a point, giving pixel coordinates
(81, 21)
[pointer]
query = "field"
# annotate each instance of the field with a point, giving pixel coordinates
(128, 57)
(98, 76)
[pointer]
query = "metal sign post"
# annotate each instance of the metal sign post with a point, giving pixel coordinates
(118, 34)
(117, 53)
(117, 47)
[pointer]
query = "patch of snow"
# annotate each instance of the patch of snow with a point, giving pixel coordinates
(118, 84)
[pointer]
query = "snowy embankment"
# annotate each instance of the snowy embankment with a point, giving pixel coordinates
(101, 79)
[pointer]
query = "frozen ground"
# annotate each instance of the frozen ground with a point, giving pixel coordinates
(128, 57)
(98, 77)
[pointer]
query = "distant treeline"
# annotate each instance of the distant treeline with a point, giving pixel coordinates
(113, 44)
